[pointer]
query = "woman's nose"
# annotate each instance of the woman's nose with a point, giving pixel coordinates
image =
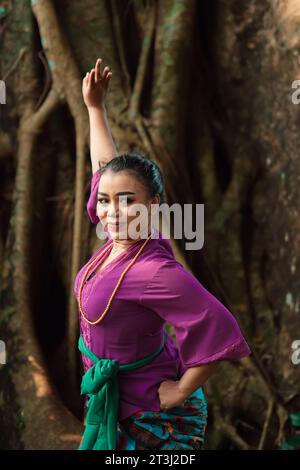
(113, 210)
(112, 213)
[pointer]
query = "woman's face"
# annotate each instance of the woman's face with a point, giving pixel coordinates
(119, 195)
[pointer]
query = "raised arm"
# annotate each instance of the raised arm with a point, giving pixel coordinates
(94, 90)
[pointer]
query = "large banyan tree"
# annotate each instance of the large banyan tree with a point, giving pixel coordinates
(204, 89)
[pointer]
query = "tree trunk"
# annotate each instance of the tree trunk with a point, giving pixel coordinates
(204, 89)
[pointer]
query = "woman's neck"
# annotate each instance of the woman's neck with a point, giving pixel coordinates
(121, 245)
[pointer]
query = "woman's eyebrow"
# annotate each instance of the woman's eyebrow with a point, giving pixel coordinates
(117, 194)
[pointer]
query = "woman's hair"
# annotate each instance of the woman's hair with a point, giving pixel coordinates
(145, 170)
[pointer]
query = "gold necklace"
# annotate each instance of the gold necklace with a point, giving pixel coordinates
(115, 289)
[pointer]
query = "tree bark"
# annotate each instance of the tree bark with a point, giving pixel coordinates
(204, 89)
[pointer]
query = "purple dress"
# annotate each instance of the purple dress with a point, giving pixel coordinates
(156, 289)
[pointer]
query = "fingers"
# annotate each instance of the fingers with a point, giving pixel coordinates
(107, 76)
(164, 407)
(85, 78)
(106, 72)
(94, 76)
(97, 70)
(85, 81)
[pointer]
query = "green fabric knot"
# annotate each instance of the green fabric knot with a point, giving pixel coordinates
(100, 383)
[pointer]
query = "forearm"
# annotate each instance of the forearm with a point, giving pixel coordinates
(102, 147)
(195, 377)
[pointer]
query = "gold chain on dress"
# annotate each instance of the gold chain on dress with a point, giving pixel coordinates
(115, 289)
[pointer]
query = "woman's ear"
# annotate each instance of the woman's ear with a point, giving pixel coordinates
(155, 204)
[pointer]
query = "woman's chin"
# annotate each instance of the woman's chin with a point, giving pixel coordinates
(121, 232)
(116, 232)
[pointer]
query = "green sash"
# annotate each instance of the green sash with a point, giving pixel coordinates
(100, 382)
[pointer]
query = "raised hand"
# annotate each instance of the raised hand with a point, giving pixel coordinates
(95, 86)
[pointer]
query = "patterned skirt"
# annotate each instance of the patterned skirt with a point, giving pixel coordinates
(180, 427)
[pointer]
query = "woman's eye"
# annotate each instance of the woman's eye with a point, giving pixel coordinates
(122, 201)
(125, 201)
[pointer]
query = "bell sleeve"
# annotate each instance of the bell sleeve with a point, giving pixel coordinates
(205, 329)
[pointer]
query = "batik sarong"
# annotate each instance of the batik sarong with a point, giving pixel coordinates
(180, 427)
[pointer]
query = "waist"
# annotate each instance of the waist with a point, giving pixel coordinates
(123, 348)
(124, 354)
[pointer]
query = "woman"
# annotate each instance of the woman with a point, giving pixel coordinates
(135, 374)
